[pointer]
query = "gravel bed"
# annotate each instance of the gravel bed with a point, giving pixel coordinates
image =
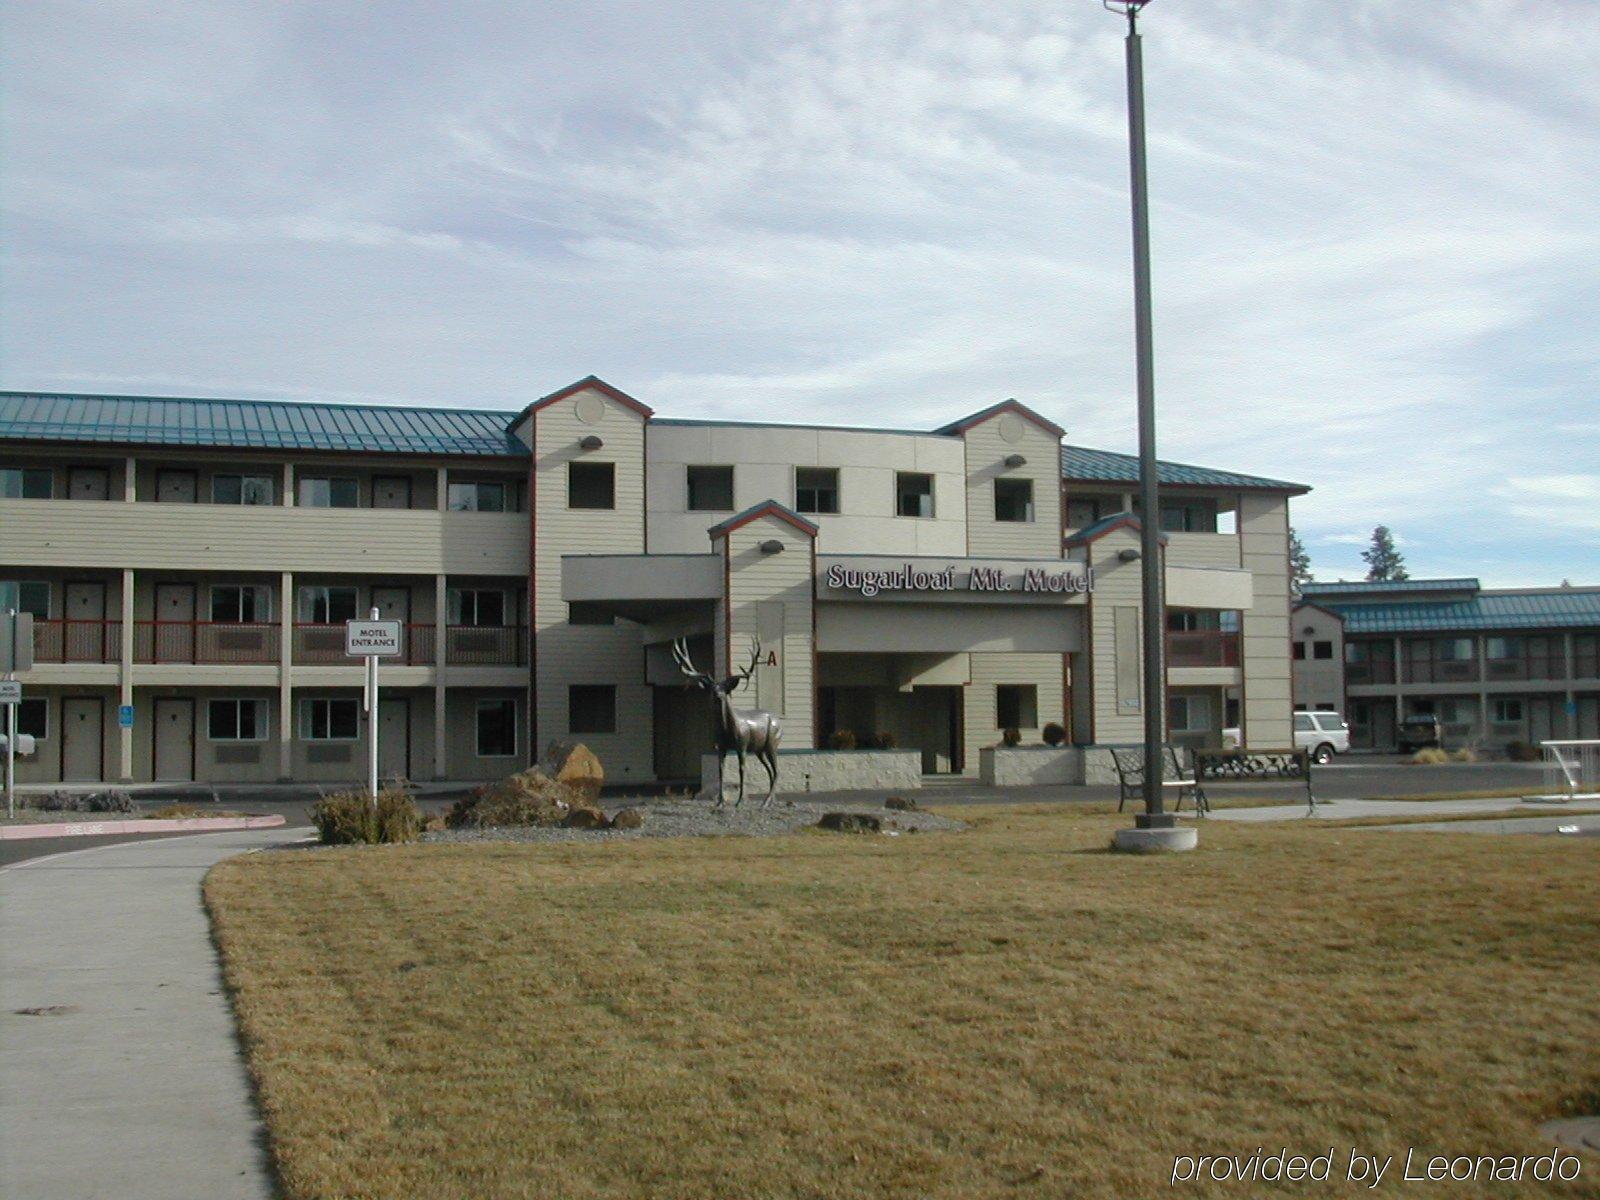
(699, 818)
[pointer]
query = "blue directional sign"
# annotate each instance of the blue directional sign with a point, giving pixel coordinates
(125, 716)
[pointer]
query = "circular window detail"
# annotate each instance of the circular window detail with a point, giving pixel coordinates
(591, 410)
(1011, 429)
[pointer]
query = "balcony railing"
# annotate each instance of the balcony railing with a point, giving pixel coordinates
(465, 645)
(77, 641)
(1374, 670)
(323, 644)
(486, 645)
(221, 642)
(1202, 648)
(1532, 666)
(1450, 670)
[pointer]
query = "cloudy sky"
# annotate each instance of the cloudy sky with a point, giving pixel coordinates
(1376, 227)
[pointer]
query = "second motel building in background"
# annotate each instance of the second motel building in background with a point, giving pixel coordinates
(192, 562)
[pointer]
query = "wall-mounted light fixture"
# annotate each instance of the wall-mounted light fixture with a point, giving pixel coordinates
(772, 546)
(592, 442)
(1015, 460)
(1309, 630)
(1128, 555)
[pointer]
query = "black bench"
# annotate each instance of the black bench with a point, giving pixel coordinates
(1250, 766)
(1129, 761)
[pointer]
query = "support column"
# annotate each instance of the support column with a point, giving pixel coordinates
(1571, 709)
(441, 625)
(1482, 646)
(286, 668)
(288, 485)
(442, 490)
(125, 674)
(130, 477)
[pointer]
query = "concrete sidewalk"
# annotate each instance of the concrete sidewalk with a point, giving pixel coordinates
(1338, 810)
(129, 1084)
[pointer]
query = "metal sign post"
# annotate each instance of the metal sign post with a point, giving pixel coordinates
(11, 713)
(372, 639)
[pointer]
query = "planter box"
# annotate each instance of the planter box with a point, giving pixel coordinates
(1019, 766)
(801, 771)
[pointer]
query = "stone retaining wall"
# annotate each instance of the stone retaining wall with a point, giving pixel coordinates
(1018, 766)
(801, 771)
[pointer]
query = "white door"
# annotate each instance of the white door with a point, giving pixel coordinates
(394, 739)
(174, 750)
(391, 491)
(88, 483)
(84, 633)
(176, 487)
(174, 631)
(82, 739)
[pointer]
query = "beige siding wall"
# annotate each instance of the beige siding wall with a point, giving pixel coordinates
(987, 447)
(1317, 681)
(1117, 586)
(1043, 671)
(461, 734)
(1203, 550)
(588, 654)
(1264, 536)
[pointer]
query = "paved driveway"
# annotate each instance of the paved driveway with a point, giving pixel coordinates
(121, 1074)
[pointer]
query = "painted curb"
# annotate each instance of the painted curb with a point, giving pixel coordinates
(163, 825)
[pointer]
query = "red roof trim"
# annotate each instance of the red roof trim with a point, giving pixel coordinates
(1093, 533)
(767, 508)
(1005, 406)
(587, 383)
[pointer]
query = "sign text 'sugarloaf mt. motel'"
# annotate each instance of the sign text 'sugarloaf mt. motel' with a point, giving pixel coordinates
(952, 578)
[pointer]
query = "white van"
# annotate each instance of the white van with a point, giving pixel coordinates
(1323, 733)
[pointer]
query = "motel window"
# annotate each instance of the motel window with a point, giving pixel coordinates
(1081, 513)
(241, 604)
(1187, 620)
(1013, 500)
(33, 718)
(1299, 651)
(1188, 714)
(1454, 649)
(242, 489)
(236, 720)
(1321, 649)
(26, 483)
(329, 719)
(327, 605)
(1016, 706)
(477, 606)
(1504, 647)
(477, 497)
(1189, 516)
(710, 489)
(816, 489)
(591, 485)
(329, 491)
(497, 728)
(587, 612)
(27, 595)
(913, 493)
(1507, 712)
(591, 708)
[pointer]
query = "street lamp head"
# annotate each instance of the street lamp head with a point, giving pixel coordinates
(1124, 8)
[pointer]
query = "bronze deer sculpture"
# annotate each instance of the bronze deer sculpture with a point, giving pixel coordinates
(744, 731)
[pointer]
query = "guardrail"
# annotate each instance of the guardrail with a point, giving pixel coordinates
(70, 641)
(1202, 648)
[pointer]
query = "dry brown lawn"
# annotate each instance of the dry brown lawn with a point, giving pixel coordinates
(1006, 1012)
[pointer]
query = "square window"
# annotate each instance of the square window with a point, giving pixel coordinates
(236, 720)
(1299, 651)
(816, 489)
(913, 493)
(327, 605)
(710, 489)
(477, 497)
(27, 483)
(1187, 714)
(1081, 513)
(241, 604)
(27, 595)
(591, 708)
(1189, 516)
(1507, 712)
(241, 489)
(591, 485)
(497, 728)
(1013, 500)
(477, 606)
(1321, 649)
(1016, 706)
(329, 719)
(317, 491)
(33, 718)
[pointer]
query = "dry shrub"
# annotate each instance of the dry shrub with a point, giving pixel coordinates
(527, 798)
(1431, 756)
(351, 818)
(1466, 754)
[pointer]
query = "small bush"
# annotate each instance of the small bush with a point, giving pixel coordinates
(114, 800)
(527, 798)
(883, 740)
(1011, 737)
(1522, 752)
(1431, 756)
(1465, 754)
(842, 739)
(1053, 734)
(58, 802)
(350, 818)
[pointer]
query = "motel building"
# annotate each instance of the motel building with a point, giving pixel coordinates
(190, 565)
(1494, 665)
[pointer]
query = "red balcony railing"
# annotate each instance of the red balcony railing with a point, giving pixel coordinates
(222, 642)
(77, 641)
(323, 644)
(486, 645)
(1202, 648)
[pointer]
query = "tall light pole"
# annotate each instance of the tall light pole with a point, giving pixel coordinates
(1155, 827)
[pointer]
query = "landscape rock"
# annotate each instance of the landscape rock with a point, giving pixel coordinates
(901, 804)
(628, 818)
(576, 766)
(529, 797)
(585, 818)
(849, 822)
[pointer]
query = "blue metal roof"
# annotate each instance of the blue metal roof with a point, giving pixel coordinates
(1104, 466)
(254, 424)
(1363, 587)
(1557, 608)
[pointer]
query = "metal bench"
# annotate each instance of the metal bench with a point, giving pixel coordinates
(1129, 761)
(1251, 766)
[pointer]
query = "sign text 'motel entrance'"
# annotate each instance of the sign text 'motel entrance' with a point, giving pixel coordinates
(377, 638)
(1038, 580)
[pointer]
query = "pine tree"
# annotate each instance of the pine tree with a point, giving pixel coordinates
(1385, 564)
(1299, 562)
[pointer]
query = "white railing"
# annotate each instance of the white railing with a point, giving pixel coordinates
(1572, 767)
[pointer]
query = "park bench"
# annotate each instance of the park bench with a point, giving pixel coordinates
(1129, 762)
(1250, 766)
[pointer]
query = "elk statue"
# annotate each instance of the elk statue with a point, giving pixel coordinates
(743, 731)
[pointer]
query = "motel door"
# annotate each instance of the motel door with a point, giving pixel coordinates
(88, 483)
(83, 633)
(83, 739)
(394, 604)
(174, 622)
(394, 739)
(174, 751)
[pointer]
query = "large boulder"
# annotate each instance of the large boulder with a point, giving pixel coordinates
(576, 766)
(849, 822)
(628, 818)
